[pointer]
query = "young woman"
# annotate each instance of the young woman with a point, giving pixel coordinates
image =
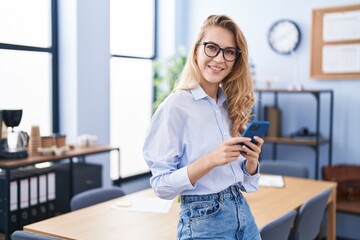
(192, 147)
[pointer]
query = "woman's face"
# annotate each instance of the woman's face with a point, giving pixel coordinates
(215, 69)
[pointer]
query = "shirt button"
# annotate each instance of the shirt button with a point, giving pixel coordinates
(224, 133)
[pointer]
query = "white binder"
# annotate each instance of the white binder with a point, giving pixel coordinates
(51, 186)
(24, 193)
(33, 191)
(13, 196)
(42, 188)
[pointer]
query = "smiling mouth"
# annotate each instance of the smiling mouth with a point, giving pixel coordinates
(216, 69)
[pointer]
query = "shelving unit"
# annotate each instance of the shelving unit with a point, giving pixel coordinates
(319, 140)
(8, 165)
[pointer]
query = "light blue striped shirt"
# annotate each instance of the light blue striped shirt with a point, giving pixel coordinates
(186, 126)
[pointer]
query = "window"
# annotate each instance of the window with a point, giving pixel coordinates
(132, 46)
(28, 62)
(132, 28)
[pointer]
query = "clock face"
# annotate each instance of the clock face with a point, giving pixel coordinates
(284, 36)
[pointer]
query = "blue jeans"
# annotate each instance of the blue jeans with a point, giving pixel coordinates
(224, 215)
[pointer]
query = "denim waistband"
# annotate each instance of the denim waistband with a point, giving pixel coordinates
(230, 192)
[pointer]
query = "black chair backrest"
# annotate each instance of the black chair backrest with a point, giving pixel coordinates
(94, 196)
(284, 168)
(280, 228)
(308, 221)
(23, 235)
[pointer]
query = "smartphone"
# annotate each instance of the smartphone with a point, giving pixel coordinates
(255, 128)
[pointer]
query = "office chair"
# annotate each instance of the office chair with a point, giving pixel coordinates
(284, 168)
(308, 221)
(94, 196)
(280, 228)
(23, 235)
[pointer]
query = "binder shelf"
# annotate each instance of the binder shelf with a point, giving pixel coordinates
(314, 142)
(28, 194)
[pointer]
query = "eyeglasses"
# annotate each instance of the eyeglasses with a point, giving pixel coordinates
(230, 54)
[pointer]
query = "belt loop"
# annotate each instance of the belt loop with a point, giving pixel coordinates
(220, 196)
(234, 191)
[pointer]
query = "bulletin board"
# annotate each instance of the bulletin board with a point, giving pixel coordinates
(335, 43)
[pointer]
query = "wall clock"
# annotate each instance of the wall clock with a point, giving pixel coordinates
(284, 36)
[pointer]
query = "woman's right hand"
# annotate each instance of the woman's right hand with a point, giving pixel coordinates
(228, 152)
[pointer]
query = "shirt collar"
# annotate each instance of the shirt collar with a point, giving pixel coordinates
(199, 93)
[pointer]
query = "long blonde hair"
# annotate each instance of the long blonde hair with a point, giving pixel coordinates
(238, 85)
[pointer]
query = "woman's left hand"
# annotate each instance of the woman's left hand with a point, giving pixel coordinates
(252, 153)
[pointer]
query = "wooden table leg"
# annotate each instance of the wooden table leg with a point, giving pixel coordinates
(331, 216)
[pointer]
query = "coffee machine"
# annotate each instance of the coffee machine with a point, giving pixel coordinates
(13, 145)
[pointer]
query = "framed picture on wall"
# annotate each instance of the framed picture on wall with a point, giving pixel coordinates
(335, 43)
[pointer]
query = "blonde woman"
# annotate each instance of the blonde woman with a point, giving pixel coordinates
(192, 148)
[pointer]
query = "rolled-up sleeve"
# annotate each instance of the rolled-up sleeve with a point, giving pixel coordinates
(162, 152)
(168, 186)
(251, 182)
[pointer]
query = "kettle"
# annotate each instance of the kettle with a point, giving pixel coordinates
(17, 141)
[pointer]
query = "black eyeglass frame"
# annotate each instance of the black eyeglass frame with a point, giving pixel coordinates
(238, 51)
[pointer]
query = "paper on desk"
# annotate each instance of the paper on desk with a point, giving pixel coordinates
(271, 181)
(144, 204)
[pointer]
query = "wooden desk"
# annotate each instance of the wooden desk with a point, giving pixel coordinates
(34, 159)
(10, 164)
(271, 203)
(102, 222)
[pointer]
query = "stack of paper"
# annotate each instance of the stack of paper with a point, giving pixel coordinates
(144, 204)
(271, 181)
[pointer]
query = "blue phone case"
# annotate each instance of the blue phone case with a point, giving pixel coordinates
(255, 128)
